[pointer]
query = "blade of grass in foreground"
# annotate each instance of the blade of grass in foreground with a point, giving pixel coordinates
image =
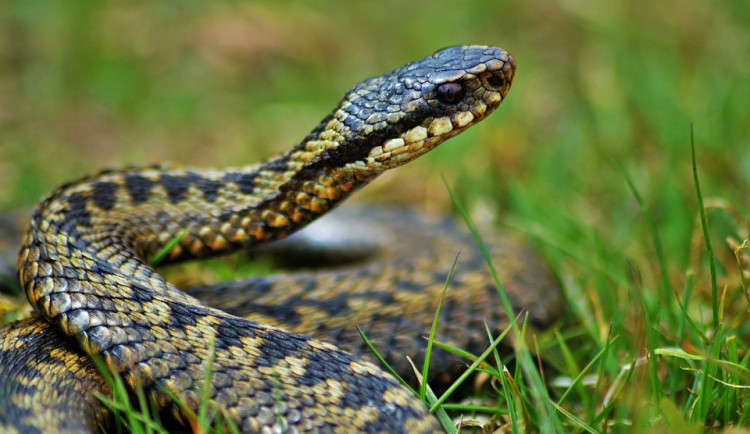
(204, 421)
(138, 421)
(428, 351)
(573, 369)
(469, 370)
(430, 399)
(508, 382)
(651, 317)
(745, 416)
(548, 417)
(442, 416)
(705, 394)
(575, 419)
(664, 286)
(600, 375)
(164, 251)
(577, 381)
(504, 379)
(382, 361)
(706, 237)
(731, 396)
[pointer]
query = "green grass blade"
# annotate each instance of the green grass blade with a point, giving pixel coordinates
(430, 398)
(135, 420)
(576, 382)
(433, 327)
(456, 351)
(600, 374)
(382, 361)
(440, 413)
(506, 389)
(572, 368)
(685, 319)
(164, 251)
(651, 317)
(706, 237)
(731, 403)
(469, 370)
(575, 419)
(518, 398)
(705, 394)
(664, 287)
(549, 419)
(474, 408)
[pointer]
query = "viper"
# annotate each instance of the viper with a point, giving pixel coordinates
(284, 355)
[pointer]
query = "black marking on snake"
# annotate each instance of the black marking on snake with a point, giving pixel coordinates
(182, 315)
(284, 314)
(77, 209)
(335, 305)
(322, 366)
(411, 286)
(176, 187)
(231, 330)
(286, 311)
(104, 268)
(138, 187)
(105, 194)
(359, 149)
(245, 181)
(142, 293)
(278, 164)
(209, 187)
(290, 345)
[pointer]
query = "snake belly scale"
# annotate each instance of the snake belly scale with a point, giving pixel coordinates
(83, 265)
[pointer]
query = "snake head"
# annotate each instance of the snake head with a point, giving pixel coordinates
(390, 119)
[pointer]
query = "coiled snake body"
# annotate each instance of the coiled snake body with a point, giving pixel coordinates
(83, 266)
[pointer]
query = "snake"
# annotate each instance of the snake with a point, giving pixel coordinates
(286, 355)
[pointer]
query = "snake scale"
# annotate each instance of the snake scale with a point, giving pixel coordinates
(83, 265)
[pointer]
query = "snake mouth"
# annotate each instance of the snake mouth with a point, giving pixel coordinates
(420, 139)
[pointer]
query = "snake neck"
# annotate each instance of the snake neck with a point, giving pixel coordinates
(212, 212)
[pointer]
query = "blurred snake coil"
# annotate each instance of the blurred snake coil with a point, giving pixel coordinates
(283, 351)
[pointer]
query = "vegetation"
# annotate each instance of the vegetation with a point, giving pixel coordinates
(590, 156)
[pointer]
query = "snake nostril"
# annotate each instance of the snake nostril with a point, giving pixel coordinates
(496, 81)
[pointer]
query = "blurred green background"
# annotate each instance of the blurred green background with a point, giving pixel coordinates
(89, 84)
(600, 86)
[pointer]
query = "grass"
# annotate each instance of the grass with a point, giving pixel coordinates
(643, 218)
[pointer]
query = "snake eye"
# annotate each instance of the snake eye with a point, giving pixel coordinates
(450, 93)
